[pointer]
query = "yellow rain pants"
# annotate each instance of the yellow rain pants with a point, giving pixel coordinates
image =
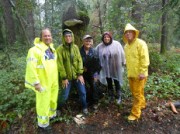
(46, 101)
(137, 90)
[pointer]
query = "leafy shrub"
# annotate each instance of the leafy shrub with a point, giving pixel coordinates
(163, 86)
(172, 61)
(155, 61)
(163, 63)
(125, 89)
(15, 100)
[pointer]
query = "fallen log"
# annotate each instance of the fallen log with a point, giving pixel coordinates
(173, 106)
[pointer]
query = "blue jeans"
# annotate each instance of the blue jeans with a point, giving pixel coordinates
(81, 91)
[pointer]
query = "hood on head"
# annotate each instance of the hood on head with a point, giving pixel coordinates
(67, 31)
(110, 35)
(38, 43)
(130, 27)
(37, 40)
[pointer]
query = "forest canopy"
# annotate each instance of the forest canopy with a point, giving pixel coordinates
(157, 20)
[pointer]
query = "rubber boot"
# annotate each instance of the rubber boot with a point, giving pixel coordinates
(118, 96)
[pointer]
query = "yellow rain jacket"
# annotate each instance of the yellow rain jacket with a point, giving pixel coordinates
(42, 68)
(137, 61)
(136, 53)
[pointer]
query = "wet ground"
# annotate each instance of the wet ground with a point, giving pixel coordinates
(109, 118)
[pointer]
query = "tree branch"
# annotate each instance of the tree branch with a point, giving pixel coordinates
(21, 23)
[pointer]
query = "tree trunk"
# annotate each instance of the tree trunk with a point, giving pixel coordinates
(30, 28)
(46, 13)
(9, 22)
(136, 13)
(100, 19)
(164, 28)
(21, 22)
(1, 35)
(39, 16)
(52, 12)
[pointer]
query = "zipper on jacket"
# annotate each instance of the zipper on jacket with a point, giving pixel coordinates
(71, 59)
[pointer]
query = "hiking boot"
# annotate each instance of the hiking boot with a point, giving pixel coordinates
(53, 116)
(45, 130)
(85, 111)
(56, 117)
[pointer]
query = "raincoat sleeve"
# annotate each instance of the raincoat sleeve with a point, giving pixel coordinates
(60, 64)
(80, 63)
(97, 50)
(31, 76)
(144, 58)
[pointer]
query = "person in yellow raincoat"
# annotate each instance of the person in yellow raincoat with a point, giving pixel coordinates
(42, 77)
(137, 62)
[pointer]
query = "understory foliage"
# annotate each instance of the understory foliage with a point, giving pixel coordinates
(15, 100)
(163, 81)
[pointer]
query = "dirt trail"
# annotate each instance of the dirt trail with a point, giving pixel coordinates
(111, 119)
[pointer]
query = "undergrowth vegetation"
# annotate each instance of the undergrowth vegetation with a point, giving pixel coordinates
(164, 73)
(15, 99)
(163, 82)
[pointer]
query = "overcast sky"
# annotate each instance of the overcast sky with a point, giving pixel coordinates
(41, 1)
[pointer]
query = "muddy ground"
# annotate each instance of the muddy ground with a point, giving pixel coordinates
(109, 118)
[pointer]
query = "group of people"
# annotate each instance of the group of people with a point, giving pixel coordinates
(51, 72)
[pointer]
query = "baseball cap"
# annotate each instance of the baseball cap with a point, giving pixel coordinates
(87, 36)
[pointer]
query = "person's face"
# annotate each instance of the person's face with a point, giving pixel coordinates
(130, 35)
(107, 39)
(46, 37)
(87, 43)
(68, 38)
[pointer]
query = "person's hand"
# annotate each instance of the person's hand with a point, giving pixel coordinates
(65, 83)
(142, 76)
(81, 79)
(37, 87)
